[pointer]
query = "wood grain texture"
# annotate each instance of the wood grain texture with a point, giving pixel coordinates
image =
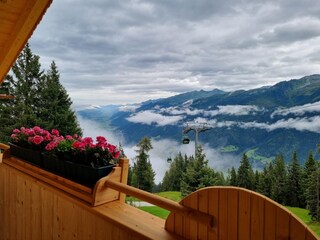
(239, 214)
(31, 209)
(18, 20)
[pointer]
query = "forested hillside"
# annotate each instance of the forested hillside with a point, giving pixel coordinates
(262, 122)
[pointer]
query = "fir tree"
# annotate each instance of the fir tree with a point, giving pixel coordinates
(173, 176)
(265, 182)
(233, 177)
(245, 176)
(312, 195)
(40, 99)
(197, 175)
(142, 172)
(55, 105)
(295, 196)
(311, 186)
(24, 85)
(279, 180)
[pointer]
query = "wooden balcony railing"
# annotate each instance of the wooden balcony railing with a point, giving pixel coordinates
(36, 204)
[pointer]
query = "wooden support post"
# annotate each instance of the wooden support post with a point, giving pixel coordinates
(5, 151)
(124, 164)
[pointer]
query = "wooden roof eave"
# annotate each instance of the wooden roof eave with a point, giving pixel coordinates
(28, 18)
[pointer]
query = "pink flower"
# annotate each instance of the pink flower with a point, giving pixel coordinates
(52, 145)
(37, 130)
(47, 137)
(87, 140)
(69, 137)
(79, 145)
(16, 131)
(55, 132)
(14, 136)
(37, 139)
(101, 139)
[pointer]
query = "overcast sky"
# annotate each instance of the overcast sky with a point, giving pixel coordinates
(117, 52)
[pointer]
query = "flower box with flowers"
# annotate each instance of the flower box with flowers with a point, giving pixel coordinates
(80, 159)
(29, 143)
(73, 157)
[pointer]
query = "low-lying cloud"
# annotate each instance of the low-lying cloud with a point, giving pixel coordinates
(298, 110)
(150, 117)
(162, 150)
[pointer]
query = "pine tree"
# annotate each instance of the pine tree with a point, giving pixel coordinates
(279, 180)
(197, 175)
(20, 111)
(245, 176)
(265, 181)
(311, 186)
(142, 172)
(55, 105)
(312, 196)
(39, 99)
(257, 177)
(233, 177)
(173, 176)
(295, 196)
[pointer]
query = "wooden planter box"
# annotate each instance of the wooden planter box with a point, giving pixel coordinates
(94, 195)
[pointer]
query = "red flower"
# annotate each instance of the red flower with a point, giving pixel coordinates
(55, 132)
(37, 139)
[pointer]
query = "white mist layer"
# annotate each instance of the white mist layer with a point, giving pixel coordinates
(162, 150)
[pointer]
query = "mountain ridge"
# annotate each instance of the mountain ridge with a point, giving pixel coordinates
(265, 121)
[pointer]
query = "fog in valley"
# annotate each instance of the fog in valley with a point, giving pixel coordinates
(162, 149)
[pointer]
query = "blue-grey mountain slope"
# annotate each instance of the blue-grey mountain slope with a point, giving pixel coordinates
(263, 122)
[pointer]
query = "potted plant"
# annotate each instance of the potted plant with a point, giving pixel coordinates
(28, 143)
(81, 159)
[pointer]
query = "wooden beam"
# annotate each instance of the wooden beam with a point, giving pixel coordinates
(162, 202)
(29, 18)
(6, 96)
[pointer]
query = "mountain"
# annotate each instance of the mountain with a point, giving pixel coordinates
(261, 122)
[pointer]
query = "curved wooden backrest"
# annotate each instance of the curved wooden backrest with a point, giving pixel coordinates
(239, 214)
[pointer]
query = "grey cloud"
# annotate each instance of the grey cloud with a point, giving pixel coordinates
(162, 48)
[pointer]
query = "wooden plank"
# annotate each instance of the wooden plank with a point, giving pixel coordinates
(311, 236)
(187, 222)
(29, 17)
(138, 223)
(283, 224)
(232, 213)
(244, 215)
(36, 211)
(2, 207)
(21, 207)
(12, 230)
(270, 220)
(170, 223)
(214, 211)
(47, 215)
(297, 230)
(203, 206)
(178, 224)
(124, 164)
(223, 214)
(257, 217)
(194, 225)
